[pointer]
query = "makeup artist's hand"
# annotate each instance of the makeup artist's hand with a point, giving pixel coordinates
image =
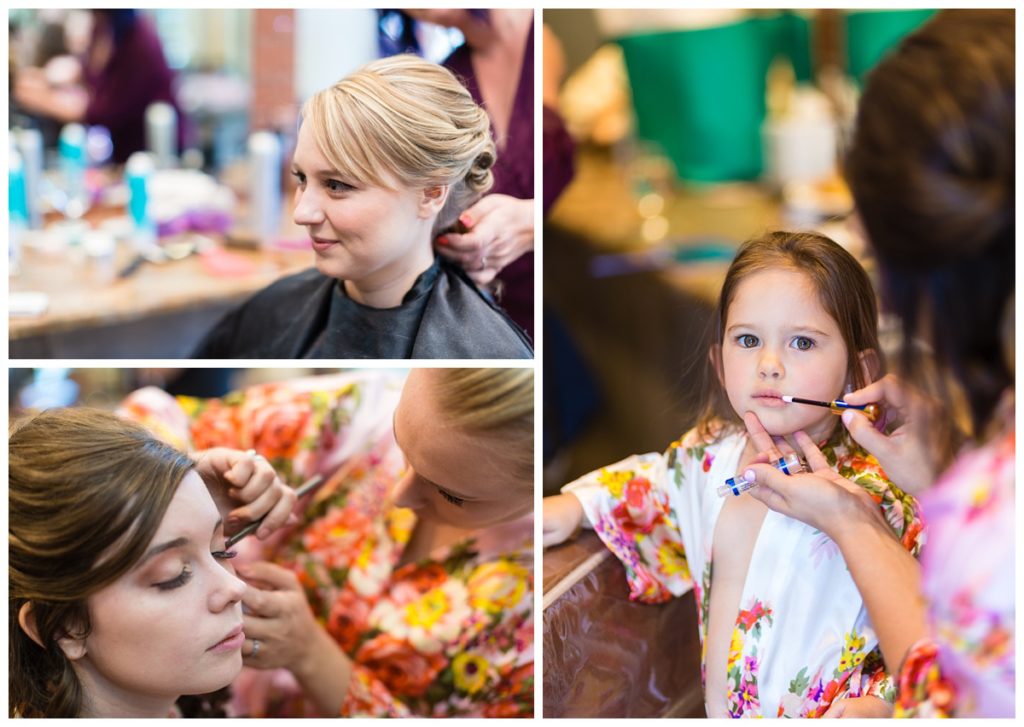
(821, 498)
(859, 707)
(904, 454)
(279, 617)
(500, 231)
(234, 477)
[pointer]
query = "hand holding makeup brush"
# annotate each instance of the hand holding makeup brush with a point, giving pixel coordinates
(245, 488)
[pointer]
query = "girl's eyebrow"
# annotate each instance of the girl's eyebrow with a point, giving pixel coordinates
(803, 329)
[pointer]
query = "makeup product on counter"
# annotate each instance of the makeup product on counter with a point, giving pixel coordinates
(138, 173)
(162, 134)
(73, 163)
(789, 464)
(30, 146)
(17, 209)
(308, 486)
(264, 185)
(838, 406)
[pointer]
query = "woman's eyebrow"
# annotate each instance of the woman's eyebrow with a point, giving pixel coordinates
(169, 545)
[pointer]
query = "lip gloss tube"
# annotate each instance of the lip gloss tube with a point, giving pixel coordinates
(789, 464)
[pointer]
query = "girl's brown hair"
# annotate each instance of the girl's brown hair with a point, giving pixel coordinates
(844, 291)
(87, 492)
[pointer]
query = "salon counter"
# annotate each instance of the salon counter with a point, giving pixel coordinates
(161, 310)
(606, 656)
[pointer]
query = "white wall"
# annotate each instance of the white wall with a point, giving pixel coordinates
(330, 44)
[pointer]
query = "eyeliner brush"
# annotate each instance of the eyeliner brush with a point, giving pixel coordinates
(838, 406)
(251, 528)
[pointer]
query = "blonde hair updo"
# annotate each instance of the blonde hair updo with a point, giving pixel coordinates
(411, 120)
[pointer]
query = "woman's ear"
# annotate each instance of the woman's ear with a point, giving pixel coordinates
(870, 364)
(27, 621)
(72, 646)
(432, 200)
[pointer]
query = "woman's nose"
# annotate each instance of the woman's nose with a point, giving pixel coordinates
(408, 491)
(227, 590)
(307, 209)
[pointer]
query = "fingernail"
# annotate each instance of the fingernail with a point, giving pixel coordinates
(442, 240)
(847, 417)
(465, 219)
(750, 476)
(262, 532)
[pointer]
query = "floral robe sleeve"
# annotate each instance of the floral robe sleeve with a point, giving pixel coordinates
(966, 666)
(448, 636)
(802, 639)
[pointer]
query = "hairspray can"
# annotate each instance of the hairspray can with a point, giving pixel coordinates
(162, 134)
(265, 185)
(30, 147)
(72, 165)
(137, 173)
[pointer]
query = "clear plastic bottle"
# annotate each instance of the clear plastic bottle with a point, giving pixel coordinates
(789, 464)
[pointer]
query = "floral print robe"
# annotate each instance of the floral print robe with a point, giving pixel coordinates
(448, 636)
(802, 638)
(966, 667)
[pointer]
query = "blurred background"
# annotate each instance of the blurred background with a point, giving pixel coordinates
(32, 389)
(692, 131)
(148, 185)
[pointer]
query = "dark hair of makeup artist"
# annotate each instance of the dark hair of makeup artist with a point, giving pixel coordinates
(931, 169)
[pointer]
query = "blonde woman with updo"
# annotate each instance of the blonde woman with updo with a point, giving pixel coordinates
(386, 159)
(407, 588)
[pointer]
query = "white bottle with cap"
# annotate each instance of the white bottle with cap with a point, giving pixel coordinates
(17, 209)
(265, 185)
(30, 146)
(162, 134)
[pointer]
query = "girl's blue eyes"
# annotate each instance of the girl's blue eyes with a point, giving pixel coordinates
(800, 343)
(186, 572)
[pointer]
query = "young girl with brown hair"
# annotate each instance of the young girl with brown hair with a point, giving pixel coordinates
(783, 628)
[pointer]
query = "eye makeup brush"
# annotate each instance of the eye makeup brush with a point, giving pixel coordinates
(307, 486)
(838, 406)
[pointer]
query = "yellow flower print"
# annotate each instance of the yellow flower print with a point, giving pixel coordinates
(428, 621)
(853, 654)
(735, 648)
(615, 481)
(470, 672)
(672, 560)
(400, 522)
(497, 586)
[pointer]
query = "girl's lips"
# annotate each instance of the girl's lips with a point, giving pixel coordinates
(770, 400)
(232, 641)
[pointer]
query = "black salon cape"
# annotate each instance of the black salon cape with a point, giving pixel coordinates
(444, 315)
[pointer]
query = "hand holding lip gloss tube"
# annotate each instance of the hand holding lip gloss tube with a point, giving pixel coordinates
(838, 406)
(789, 464)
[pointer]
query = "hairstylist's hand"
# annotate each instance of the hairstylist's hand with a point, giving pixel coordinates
(904, 454)
(563, 516)
(233, 477)
(821, 498)
(278, 618)
(500, 231)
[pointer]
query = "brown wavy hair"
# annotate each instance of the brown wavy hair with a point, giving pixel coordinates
(931, 169)
(87, 491)
(844, 291)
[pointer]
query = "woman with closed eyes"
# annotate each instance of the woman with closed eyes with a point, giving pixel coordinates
(122, 597)
(386, 160)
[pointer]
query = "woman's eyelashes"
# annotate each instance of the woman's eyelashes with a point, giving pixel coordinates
(336, 186)
(187, 571)
(449, 497)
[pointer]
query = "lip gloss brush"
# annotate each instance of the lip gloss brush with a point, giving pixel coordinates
(251, 528)
(838, 406)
